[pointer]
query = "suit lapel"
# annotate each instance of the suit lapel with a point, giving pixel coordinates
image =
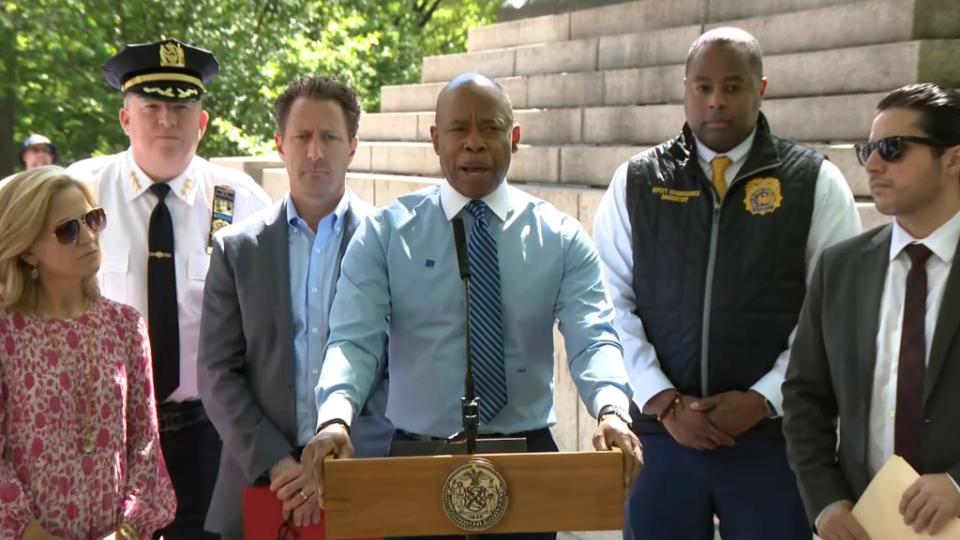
(871, 273)
(948, 321)
(274, 255)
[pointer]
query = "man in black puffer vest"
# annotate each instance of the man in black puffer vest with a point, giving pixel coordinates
(707, 242)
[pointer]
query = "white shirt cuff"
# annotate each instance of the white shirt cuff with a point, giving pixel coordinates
(335, 407)
(610, 395)
(954, 482)
(816, 522)
(769, 387)
(652, 383)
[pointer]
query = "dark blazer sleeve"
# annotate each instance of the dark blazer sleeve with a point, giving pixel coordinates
(810, 408)
(251, 438)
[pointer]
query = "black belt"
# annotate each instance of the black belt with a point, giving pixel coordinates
(176, 416)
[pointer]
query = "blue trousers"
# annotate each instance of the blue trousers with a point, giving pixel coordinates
(748, 486)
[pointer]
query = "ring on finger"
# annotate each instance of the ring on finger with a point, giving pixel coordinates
(304, 496)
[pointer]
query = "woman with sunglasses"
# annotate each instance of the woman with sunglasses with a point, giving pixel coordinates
(79, 452)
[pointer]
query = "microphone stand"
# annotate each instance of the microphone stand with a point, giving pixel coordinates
(469, 403)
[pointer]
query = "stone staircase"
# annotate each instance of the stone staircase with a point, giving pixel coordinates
(592, 87)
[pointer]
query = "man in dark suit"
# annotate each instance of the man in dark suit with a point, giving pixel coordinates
(877, 343)
(266, 313)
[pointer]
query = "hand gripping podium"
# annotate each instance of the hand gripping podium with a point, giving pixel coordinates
(474, 494)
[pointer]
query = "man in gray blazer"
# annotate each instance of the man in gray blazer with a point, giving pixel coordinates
(877, 344)
(265, 315)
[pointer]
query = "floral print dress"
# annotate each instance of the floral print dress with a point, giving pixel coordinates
(79, 449)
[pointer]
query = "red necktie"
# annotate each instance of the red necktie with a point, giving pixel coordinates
(908, 428)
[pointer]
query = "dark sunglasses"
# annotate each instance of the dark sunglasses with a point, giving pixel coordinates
(891, 148)
(68, 231)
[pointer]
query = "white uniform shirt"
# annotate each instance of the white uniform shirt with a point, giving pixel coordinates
(123, 191)
(835, 218)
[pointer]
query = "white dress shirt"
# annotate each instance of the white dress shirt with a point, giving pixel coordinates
(123, 191)
(835, 218)
(883, 405)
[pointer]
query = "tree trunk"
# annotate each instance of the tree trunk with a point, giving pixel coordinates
(8, 146)
(9, 149)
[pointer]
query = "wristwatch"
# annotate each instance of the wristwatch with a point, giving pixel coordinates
(332, 421)
(771, 412)
(616, 411)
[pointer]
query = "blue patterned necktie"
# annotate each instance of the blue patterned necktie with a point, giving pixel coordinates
(486, 328)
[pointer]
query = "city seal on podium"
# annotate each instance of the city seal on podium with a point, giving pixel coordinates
(475, 496)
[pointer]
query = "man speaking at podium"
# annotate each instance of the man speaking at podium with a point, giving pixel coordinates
(530, 265)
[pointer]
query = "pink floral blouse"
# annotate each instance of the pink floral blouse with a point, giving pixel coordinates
(79, 449)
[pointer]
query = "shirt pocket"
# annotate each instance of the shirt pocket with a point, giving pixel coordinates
(115, 274)
(191, 292)
(197, 267)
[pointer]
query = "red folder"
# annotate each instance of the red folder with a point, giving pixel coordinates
(263, 519)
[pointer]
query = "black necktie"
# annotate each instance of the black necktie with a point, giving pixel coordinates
(908, 422)
(162, 298)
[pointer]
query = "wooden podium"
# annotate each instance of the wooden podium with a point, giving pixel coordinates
(569, 491)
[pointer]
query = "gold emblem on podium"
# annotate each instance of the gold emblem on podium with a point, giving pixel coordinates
(475, 496)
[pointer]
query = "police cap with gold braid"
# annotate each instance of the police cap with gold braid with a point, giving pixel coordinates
(166, 69)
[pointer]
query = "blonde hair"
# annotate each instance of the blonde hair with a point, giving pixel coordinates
(24, 204)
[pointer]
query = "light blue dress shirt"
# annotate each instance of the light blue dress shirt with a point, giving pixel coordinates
(399, 274)
(313, 270)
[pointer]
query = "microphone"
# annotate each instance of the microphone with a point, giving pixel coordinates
(459, 239)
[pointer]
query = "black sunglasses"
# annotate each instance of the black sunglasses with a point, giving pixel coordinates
(891, 148)
(68, 231)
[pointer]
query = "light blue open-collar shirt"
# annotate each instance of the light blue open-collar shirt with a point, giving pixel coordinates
(399, 274)
(313, 271)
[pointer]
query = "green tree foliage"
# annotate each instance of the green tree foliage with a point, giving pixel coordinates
(51, 52)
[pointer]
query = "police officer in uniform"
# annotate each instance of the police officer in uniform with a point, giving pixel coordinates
(165, 204)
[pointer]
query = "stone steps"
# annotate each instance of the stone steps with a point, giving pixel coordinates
(781, 26)
(381, 189)
(571, 165)
(574, 78)
(821, 118)
(577, 165)
(718, 9)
